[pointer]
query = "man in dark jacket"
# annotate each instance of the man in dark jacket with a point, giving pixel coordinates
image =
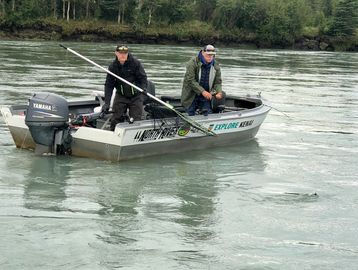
(129, 68)
(202, 81)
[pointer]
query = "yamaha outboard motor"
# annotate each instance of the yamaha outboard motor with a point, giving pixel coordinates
(47, 118)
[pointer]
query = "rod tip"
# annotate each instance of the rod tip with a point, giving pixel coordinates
(63, 46)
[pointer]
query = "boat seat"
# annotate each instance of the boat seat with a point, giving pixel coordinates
(170, 98)
(155, 111)
(173, 100)
(100, 96)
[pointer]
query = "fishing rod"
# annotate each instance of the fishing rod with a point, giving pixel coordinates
(285, 114)
(169, 106)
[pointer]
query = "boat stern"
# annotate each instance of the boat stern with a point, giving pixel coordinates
(17, 127)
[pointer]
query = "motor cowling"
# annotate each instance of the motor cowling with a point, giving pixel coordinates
(47, 117)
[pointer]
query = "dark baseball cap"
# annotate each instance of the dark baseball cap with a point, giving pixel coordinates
(122, 48)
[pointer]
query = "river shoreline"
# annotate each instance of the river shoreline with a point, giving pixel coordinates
(41, 31)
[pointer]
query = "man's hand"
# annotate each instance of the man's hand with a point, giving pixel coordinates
(219, 95)
(207, 95)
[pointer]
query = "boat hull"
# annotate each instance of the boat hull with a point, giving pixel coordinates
(87, 148)
(148, 137)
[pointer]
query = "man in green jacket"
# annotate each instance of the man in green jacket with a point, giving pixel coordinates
(202, 82)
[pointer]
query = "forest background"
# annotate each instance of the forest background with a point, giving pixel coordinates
(297, 24)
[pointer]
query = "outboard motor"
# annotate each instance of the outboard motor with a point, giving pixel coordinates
(47, 118)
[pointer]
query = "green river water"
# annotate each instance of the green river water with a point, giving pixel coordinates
(286, 200)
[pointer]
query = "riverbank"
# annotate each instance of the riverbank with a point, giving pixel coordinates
(190, 33)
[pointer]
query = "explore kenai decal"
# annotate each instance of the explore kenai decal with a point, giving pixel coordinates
(246, 123)
(231, 125)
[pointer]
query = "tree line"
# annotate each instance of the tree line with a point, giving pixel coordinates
(272, 20)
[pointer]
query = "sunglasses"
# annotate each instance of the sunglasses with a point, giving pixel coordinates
(123, 49)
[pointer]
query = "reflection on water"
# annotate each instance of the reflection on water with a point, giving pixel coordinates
(119, 199)
(156, 210)
(44, 188)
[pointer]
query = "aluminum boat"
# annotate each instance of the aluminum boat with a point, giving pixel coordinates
(49, 124)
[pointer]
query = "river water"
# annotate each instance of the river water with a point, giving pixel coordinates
(286, 200)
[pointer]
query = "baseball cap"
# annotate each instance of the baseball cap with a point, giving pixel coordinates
(209, 49)
(122, 48)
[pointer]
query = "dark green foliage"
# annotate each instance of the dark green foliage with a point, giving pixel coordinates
(345, 18)
(174, 11)
(273, 22)
(204, 9)
(30, 9)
